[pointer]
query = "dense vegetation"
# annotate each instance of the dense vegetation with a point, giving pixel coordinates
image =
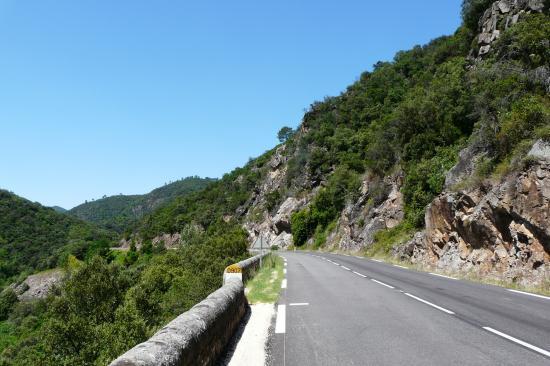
(34, 238)
(105, 308)
(414, 115)
(119, 212)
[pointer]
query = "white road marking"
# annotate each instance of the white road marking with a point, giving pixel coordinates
(518, 341)
(285, 264)
(359, 274)
(283, 284)
(382, 283)
(335, 263)
(346, 255)
(377, 260)
(284, 270)
(280, 323)
(530, 294)
(356, 256)
(397, 265)
(440, 275)
(429, 303)
(298, 304)
(346, 268)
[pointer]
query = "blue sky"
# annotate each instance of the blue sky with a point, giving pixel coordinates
(105, 97)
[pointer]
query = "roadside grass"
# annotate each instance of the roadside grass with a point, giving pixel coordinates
(265, 286)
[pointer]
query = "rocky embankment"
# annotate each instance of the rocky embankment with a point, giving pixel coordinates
(494, 229)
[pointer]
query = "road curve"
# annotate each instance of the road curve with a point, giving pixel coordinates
(343, 310)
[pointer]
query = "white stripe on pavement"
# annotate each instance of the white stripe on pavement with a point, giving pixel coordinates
(397, 265)
(280, 324)
(530, 294)
(283, 284)
(382, 283)
(440, 275)
(429, 303)
(359, 274)
(346, 268)
(284, 270)
(298, 304)
(377, 260)
(518, 341)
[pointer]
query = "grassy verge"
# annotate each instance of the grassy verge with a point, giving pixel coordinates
(265, 286)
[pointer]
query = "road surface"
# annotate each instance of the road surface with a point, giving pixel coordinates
(343, 310)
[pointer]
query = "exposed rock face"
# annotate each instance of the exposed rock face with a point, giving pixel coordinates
(499, 229)
(170, 241)
(379, 207)
(39, 285)
(499, 17)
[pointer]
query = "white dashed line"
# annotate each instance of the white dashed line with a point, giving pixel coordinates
(377, 260)
(359, 274)
(356, 256)
(530, 294)
(284, 270)
(280, 323)
(346, 268)
(429, 303)
(283, 284)
(382, 283)
(440, 275)
(298, 304)
(397, 265)
(518, 341)
(285, 264)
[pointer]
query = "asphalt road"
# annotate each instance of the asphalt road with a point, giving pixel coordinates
(342, 310)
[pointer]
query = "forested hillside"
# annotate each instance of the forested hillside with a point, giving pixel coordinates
(358, 174)
(118, 212)
(33, 237)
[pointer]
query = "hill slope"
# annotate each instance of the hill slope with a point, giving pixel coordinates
(460, 113)
(34, 237)
(117, 212)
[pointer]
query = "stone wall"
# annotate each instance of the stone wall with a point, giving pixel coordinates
(199, 336)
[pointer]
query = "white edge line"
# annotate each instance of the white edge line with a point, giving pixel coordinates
(283, 284)
(280, 323)
(346, 268)
(359, 274)
(284, 270)
(382, 283)
(397, 265)
(429, 303)
(440, 275)
(356, 256)
(377, 260)
(530, 294)
(298, 304)
(518, 341)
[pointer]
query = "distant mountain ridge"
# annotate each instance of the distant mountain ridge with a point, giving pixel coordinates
(34, 237)
(118, 212)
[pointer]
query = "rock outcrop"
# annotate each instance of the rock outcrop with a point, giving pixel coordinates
(493, 230)
(379, 207)
(39, 285)
(499, 17)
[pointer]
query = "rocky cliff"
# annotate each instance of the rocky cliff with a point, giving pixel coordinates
(494, 229)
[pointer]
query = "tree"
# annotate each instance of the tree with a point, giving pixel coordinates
(285, 133)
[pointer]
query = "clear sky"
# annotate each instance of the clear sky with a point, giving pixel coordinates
(120, 96)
